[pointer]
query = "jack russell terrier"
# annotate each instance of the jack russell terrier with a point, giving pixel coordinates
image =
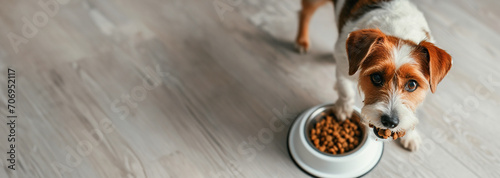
(386, 47)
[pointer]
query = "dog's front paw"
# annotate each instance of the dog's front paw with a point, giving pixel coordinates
(411, 141)
(302, 44)
(343, 109)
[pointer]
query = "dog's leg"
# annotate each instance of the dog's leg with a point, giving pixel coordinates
(344, 106)
(308, 9)
(411, 140)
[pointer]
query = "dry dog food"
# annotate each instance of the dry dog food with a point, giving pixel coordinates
(331, 136)
(386, 133)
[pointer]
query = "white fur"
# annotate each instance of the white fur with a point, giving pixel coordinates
(411, 140)
(344, 105)
(402, 55)
(397, 18)
(373, 112)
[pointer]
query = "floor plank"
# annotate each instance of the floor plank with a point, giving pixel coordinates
(124, 88)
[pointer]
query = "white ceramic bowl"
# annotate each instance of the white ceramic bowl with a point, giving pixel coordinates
(354, 163)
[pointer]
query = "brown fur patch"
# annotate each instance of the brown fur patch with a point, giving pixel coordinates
(394, 83)
(406, 73)
(374, 93)
(363, 46)
(360, 44)
(354, 9)
(438, 62)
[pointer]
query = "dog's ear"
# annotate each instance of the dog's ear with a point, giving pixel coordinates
(439, 63)
(359, 45)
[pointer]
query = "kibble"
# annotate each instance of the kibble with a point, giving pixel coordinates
(386, 133)
(334, 137)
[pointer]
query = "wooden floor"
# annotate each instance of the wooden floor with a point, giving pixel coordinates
(191, 88)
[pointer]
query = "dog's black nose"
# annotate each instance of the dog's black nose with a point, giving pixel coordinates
(389, 121)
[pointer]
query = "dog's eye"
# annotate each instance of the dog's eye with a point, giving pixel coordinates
(376, 79)
(411, 86)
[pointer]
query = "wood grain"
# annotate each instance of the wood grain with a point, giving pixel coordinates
(124, 88)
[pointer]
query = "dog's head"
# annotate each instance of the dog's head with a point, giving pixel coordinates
(394, 76)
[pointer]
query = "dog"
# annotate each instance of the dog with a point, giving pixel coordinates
(387, 48)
